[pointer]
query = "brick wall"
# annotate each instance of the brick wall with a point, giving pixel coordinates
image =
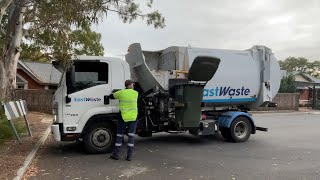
(304, 94)
(32, 84)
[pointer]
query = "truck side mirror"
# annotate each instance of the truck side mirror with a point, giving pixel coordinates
(68, 99)
(71, 82)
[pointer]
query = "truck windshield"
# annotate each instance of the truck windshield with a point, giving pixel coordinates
(89, 74)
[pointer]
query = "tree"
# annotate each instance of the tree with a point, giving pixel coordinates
(301, 64)
(287, 84)
(295, 64)
(314, 69)
(52, 23)
(85, 42)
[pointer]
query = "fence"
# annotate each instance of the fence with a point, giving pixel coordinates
(285, 101)
(37, 100)
(41, 100)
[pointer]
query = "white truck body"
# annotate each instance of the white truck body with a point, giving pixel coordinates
(240, 78)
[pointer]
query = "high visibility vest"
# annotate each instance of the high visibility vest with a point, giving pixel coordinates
(128, 104)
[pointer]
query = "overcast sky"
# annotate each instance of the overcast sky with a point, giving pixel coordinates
(288, 27)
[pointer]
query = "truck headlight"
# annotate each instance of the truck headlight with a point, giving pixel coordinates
(55, 118)
(55, 111)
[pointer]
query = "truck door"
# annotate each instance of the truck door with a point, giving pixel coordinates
(86, 89)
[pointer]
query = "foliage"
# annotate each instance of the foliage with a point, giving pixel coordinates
(301, 64)
(287, 84)
(2, 113)
(84, 42)
(59, 29)
(6, 131)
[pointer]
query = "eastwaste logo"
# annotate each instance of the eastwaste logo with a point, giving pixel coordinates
(86, 99)
(226, 91)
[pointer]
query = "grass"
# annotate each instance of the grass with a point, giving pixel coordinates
(6, 132)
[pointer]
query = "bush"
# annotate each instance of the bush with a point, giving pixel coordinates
(287, 84)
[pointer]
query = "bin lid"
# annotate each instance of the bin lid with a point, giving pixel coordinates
(203, 68)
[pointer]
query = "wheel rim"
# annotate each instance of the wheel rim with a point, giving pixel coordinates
(101, 137)
(241, 129)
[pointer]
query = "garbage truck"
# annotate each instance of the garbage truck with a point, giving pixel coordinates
(200, 91)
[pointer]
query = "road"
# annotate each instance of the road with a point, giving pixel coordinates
(290, 150)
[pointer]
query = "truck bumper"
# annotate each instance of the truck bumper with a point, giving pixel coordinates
(206, 127)
(56, 132)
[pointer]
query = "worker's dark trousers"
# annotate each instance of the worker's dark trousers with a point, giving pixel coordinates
(121, 129)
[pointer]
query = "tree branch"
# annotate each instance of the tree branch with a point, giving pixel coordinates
(125, 14)
(4, 4)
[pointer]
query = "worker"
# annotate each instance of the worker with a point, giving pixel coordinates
(128, 119)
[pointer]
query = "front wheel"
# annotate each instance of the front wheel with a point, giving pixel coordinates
(99, 138)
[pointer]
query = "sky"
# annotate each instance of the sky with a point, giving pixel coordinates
(288, 27)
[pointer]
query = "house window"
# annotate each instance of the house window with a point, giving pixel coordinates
(21, 82)
(20, 86)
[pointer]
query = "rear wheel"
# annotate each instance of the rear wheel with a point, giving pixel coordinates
(99, 138)
(240, 129)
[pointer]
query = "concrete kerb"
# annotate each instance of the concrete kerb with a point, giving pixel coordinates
(32, 155)
(315, 112)
(274, 111)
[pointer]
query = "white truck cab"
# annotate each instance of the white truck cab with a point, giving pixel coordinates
(81, 101)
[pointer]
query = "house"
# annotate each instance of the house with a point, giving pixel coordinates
(304, 86)
(37, 75)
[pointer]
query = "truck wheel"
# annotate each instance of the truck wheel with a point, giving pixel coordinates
(145, 134)
(240, 129)
(225, 132)
(99, 138)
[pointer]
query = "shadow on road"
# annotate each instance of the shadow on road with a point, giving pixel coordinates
(179, 139)
(161, 139)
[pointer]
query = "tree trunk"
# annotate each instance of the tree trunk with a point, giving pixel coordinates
(3, 80)
(8, 63)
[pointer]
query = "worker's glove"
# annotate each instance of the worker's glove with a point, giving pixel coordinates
(111, 96)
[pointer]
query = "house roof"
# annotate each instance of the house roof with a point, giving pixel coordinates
(43, 73)
(311, 80)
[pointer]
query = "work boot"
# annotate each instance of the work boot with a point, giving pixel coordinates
(114, 157)
(129, 158)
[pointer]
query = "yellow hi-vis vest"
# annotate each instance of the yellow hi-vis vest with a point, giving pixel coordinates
(128, 104)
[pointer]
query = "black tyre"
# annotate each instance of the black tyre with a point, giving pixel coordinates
(225, 132)
(99, 138)
(240, 129)
(145, 134)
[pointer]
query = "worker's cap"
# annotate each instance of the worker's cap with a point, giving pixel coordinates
(128, 82)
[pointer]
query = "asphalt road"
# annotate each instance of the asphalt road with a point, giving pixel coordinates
(290, 150)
